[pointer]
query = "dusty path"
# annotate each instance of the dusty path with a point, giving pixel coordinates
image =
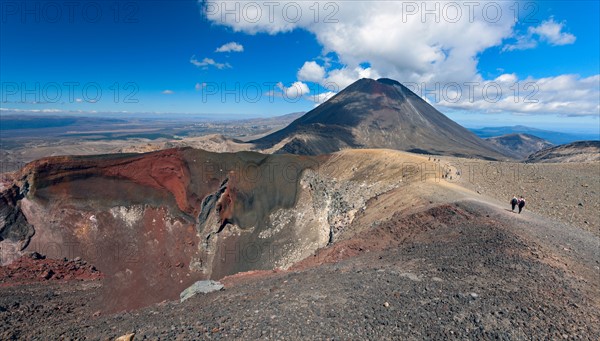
(421, 261)
(467, 270)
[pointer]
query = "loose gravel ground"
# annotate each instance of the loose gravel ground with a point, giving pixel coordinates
(469, 275)
(566, 192)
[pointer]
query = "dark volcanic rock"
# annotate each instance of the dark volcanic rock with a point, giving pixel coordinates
(14, 227)
(378, 114)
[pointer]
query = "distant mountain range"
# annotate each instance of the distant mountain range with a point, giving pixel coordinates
(519, 145)
(551, 136)
(377, 114)
(582, 151)
(17, 122)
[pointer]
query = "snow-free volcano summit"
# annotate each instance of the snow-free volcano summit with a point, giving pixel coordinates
(378, 114)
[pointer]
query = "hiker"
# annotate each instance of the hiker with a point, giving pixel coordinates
(513, 202)
(521, 204)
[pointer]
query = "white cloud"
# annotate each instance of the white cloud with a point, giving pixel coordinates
(551, 32)
(522, 43)
(311, 72)
(569, 95)
(341, 78)
(407, 44)
(294, 91)
(206, 62)
(168, 92)
(231, 47)
(507, 78)
(394, 40)
(548, 31)
(32, 110)
(334, 80)
(322, 97)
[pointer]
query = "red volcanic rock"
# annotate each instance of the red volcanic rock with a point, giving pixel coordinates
(47, 274)
(29, 269)
(162, 170)
(154, 223)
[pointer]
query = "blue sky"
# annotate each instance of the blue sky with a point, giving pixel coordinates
(581, 19)
(189, 57)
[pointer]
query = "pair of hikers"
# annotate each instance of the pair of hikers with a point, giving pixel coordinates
(517, 202)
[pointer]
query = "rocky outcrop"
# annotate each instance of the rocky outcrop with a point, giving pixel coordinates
(581, 151)
(155, 223)
(15, 230)
(200, 287)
